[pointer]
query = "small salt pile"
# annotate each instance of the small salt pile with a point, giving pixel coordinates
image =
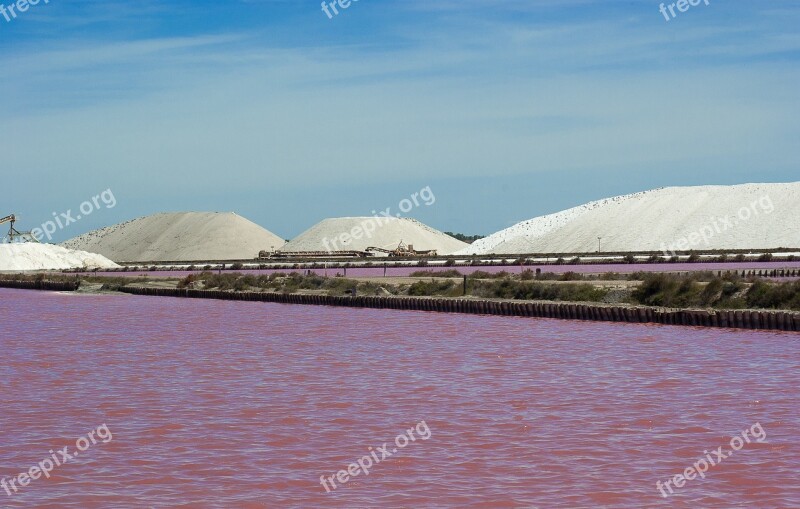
(31, 256)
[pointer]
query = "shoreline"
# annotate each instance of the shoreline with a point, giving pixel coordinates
(748, 319)
(786, 321)
(759, 269)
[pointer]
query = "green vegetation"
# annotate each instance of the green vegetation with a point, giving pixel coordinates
(469, 239)
(697, 290)
(727, 292)
(428, 288)
(518, 290)
(480, 285)
(774, 296)
(673, 291)
(277, 282)
(452, 273)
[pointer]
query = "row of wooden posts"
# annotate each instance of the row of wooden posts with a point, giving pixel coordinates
(740, 319)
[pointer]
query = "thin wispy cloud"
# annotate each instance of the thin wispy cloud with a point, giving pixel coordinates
(274, 95)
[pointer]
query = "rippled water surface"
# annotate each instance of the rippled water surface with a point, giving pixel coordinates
(237, 404)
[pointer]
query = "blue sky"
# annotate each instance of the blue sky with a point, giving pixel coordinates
(506, 109)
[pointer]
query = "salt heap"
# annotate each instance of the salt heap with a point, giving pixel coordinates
(748, 216)
(179, 236)
(359, 233)
(30, 256)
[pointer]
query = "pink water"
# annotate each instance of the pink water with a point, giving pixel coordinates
(236, 404)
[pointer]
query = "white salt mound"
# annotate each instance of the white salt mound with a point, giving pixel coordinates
(748, 216)
(30, 256)
(364, 232)
(179, 236)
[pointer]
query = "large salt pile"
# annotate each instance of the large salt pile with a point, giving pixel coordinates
(179, 236)
(30, 256)
(359, 233)
(748, 216)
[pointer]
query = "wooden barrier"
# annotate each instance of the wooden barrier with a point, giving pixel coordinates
(52, 286)
(741, 319)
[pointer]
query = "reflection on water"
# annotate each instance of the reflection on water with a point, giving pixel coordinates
(236, 404)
